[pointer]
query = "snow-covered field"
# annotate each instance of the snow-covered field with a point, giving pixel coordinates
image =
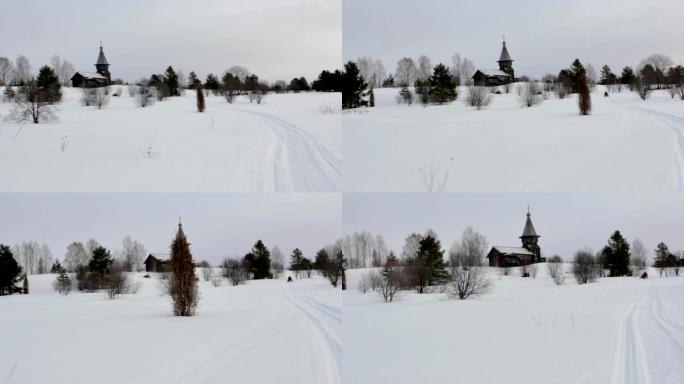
(261, 332)
(291, 142)
(625, 145)
(617, 330)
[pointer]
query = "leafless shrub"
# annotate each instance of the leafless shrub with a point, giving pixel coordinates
(390, 280)
(132, 90)
(31, 105)
(88, 97)
(584, 266)
(468, 281)
(642, 88)
(530, 94)
(507, 87)
(234, 272)
(560, 90)
(116, 281)
(207, 273)
(364, 283)
(533, 270)
(216, 281)
(555, 268)
(144, 94)
(478, 97)
(681, 91)
(506, 270)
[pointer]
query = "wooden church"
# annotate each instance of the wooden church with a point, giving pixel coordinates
(529, 253)
(100, 78)
(495, 77)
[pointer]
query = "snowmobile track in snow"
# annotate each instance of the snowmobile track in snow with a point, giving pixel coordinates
(328, 321)
(676, 123)
(301, 164)
(630, 363)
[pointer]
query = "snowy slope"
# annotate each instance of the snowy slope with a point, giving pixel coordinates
(292, 142)
(626, 144)
(526, 331)
(256, 333)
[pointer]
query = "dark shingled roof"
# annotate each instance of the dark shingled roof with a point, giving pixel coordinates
(504, 54)
(529, 228)
(101, 59)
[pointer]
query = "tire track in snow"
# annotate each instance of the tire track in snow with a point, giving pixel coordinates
(675, 123)
(300, 162)
(630, 365)
(329, 325)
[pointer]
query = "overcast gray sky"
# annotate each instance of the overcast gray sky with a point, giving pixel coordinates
(566, 222)
(276, 39)
(217, 225)
(542, 35)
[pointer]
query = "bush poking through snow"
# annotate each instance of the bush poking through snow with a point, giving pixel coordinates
(529, 94)
(555, 268)
(506, 270)
(468, 281)
(584, 266)
(478, 97)
(533, 269)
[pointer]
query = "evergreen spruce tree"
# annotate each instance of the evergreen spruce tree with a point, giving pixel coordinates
(9, 270)
(662, 254)
(49, 88)
(182, 279)
(616, 255)
(171, 81)
(193, 81)
(422, 88)
(607, 76)
(63, 283)
(405, 95)
(322, 261)
(212, 82)
(101, 261)
(353, 87)
(442, 85)
(261, 266)
(583, 96)
(627, 76)
(56, 267)
(296, 261)
(578, 71)
(200, 98)
(9, 93)
(429, 263)
(371, 98)
(388, 82)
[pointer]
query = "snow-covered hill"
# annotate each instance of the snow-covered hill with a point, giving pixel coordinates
(262, 332)
(617, 330)
(626, 144)
(291, 142)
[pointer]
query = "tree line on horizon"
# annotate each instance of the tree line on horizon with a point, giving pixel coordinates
(424, 265)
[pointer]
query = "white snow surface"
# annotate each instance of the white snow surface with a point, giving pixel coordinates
(262, 332)
(289, 143)
(626, 144)
(527, 331)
